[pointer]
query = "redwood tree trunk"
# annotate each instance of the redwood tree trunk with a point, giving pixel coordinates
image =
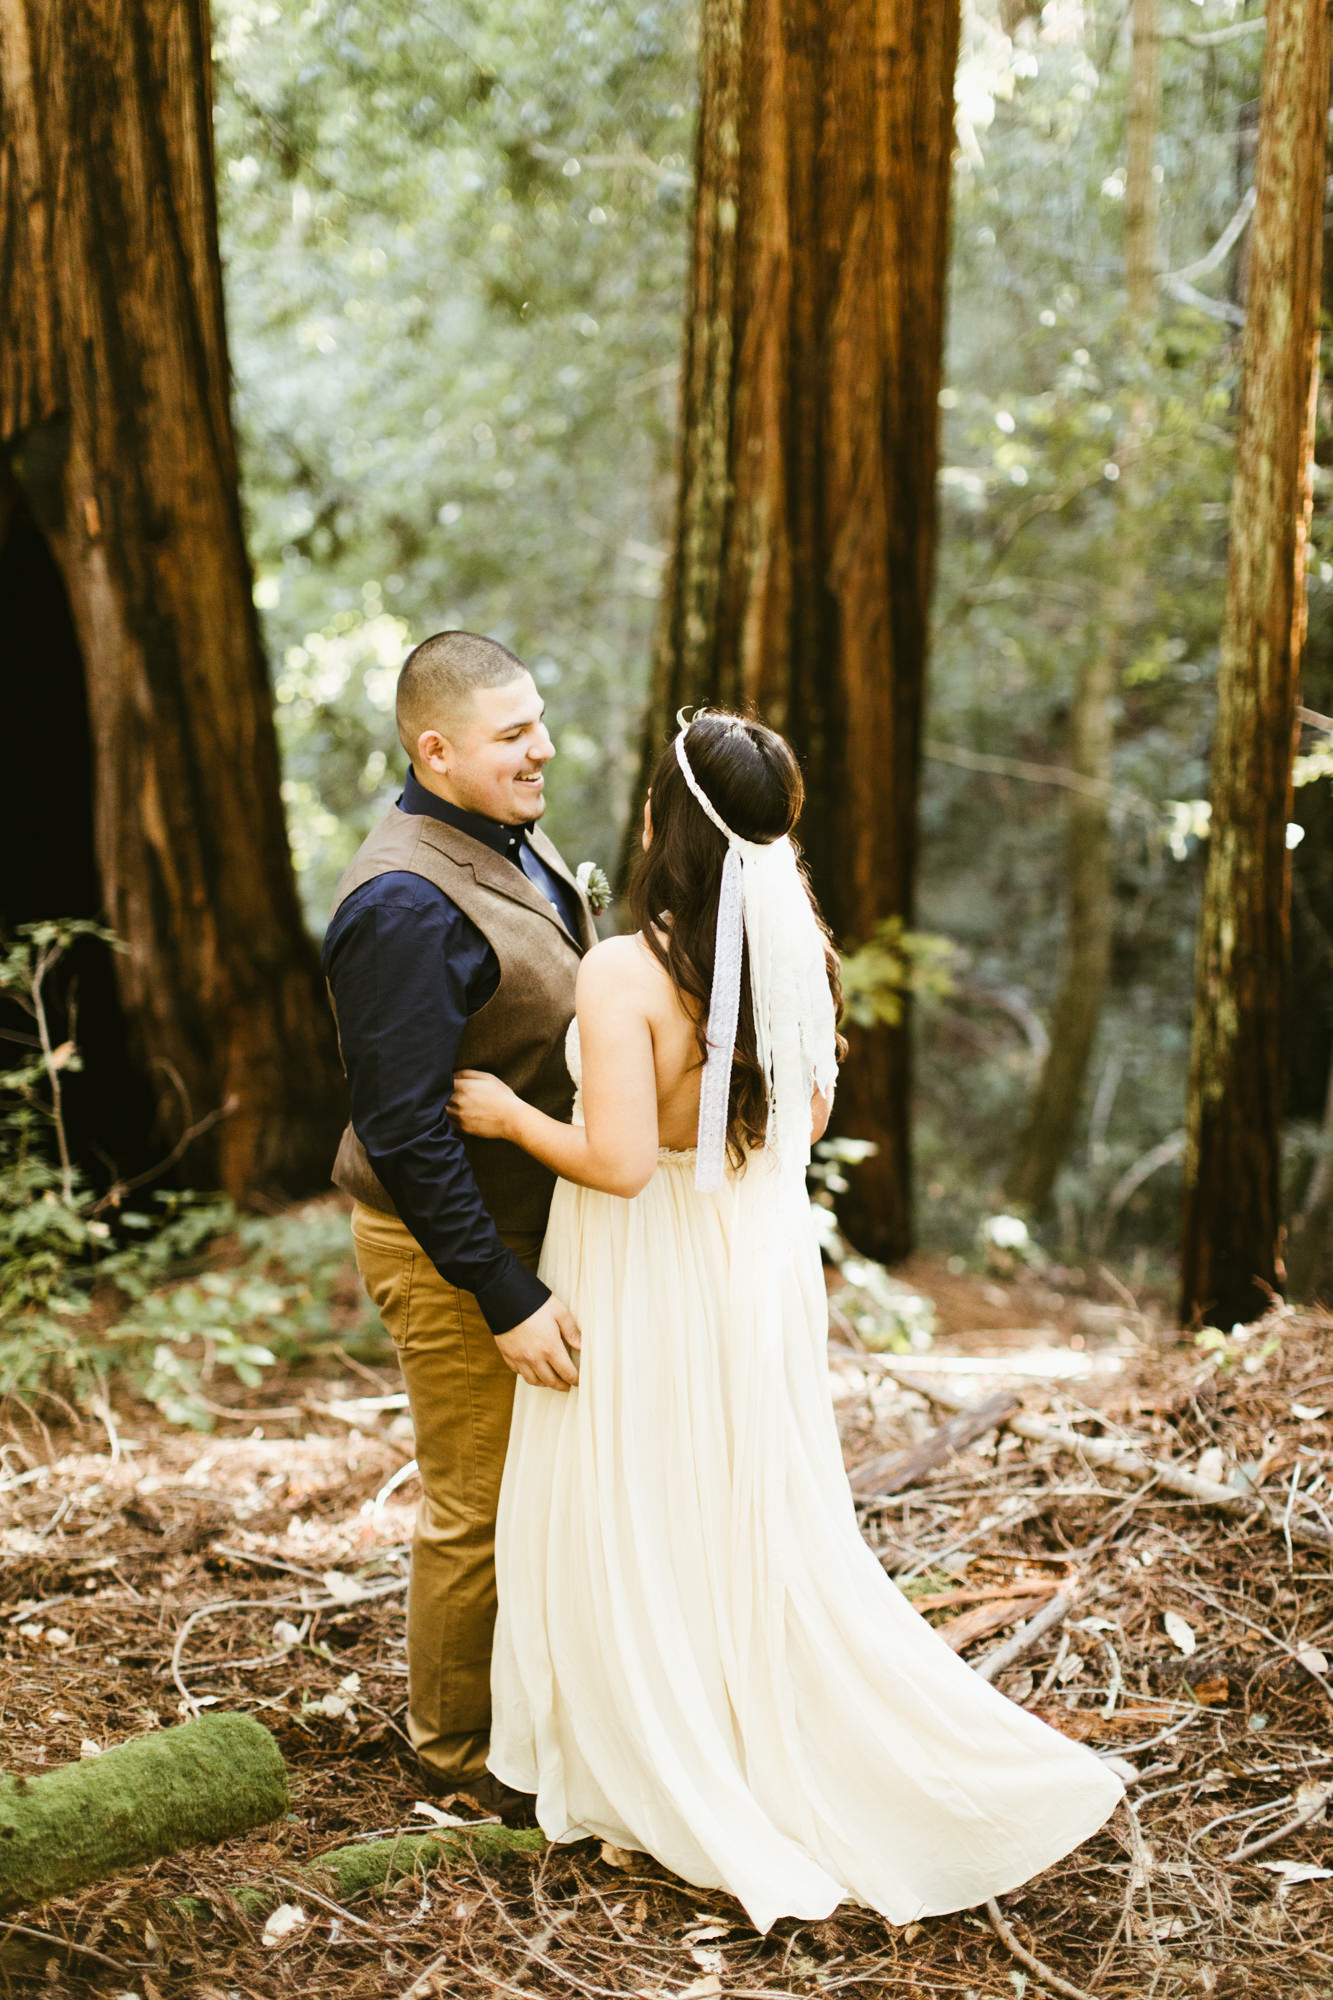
(114, 418)
(805, 519)
(1232, 1251)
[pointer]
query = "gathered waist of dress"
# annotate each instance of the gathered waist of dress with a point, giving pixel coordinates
(673, 1156)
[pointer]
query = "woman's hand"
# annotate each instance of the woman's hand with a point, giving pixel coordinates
(482, 1105)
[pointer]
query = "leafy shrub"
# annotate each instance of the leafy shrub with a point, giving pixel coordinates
(85, 1280)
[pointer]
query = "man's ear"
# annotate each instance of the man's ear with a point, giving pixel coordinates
(435, 752)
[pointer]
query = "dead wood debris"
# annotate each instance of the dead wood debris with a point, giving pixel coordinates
(1180, 1628)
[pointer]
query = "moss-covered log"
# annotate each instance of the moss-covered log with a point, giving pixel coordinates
(369, 1867)
(202, 1781)
(377, 1864)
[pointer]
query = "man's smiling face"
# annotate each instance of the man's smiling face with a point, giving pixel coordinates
(492, 761)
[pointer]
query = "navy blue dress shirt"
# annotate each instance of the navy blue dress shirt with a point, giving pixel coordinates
(406, 969)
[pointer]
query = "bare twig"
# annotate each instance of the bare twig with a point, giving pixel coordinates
(1116, 1681)
(115, 1195)
(212, 1611)
(1190, 295)
(53, 1061)
(70, 1944)
(420, 1986)
(1211, 38)
(326, 1601)
(629, 161)
(1300, 1819)
(304, 1889)
(1026, 1637)
(1040, 774)
(1163, 1154)
(1201, 267)
(1283, 1645)
(1029, 1959)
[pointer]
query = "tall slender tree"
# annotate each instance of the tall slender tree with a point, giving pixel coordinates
(805, 517)
(1089, 848)
(118, 453)
(1231, 1251)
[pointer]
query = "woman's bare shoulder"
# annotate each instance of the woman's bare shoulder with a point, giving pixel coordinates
(626, 964)
(615, 960)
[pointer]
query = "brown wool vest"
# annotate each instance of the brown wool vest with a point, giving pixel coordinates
(519, 1034)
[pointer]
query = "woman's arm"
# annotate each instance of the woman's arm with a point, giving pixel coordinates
(615, 1150)
(821, 1110)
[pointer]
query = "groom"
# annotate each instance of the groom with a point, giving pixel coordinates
(454, 943)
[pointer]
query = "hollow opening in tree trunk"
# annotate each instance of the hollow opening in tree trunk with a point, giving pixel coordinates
(48, 862)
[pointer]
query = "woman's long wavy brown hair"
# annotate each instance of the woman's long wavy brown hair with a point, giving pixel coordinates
(751, 775)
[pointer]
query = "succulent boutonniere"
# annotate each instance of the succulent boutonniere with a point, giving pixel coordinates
(594, 886)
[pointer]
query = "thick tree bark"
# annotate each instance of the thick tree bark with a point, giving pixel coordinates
(114, 418)
(1053, 1115)
(1231, 1251)
(805, 517)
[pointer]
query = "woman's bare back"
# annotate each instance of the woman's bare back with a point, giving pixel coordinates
(676, 1061)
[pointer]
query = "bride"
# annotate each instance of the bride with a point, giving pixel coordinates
(697, 1655)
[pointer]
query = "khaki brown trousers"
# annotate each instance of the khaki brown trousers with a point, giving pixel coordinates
(461, 1397)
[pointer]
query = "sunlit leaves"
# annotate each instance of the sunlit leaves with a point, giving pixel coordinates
(455, 359)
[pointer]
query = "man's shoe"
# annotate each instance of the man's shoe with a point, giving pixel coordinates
(484, 1794)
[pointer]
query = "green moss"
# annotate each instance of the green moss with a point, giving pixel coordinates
(376, 1864)
(202, 1781)
(370, 1867)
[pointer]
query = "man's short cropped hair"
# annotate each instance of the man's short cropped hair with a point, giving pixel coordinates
(439, 678)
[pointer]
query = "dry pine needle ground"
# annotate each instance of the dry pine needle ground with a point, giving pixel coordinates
(149, 1572)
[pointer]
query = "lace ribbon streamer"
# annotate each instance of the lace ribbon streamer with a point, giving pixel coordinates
(724, 1006)
(763, 902)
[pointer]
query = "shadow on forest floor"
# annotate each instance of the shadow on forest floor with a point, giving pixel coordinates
(1174, 1625)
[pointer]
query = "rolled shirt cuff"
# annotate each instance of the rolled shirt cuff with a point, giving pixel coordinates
(511, 1298)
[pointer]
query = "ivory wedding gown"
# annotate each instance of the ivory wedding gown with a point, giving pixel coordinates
(697, 1655)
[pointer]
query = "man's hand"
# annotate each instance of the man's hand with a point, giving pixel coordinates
(539, 1347)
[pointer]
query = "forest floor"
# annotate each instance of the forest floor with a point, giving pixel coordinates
(150, 1572)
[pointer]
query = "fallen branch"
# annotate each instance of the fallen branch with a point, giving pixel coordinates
(894, 1471)
(1135, 1464)
(983, 1619)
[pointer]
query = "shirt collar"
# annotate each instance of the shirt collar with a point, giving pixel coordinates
(492, 833)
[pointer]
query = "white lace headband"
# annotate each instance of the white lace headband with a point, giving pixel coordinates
(702, 796)
(762, 902)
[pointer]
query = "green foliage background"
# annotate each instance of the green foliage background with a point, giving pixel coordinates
(455, 238)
